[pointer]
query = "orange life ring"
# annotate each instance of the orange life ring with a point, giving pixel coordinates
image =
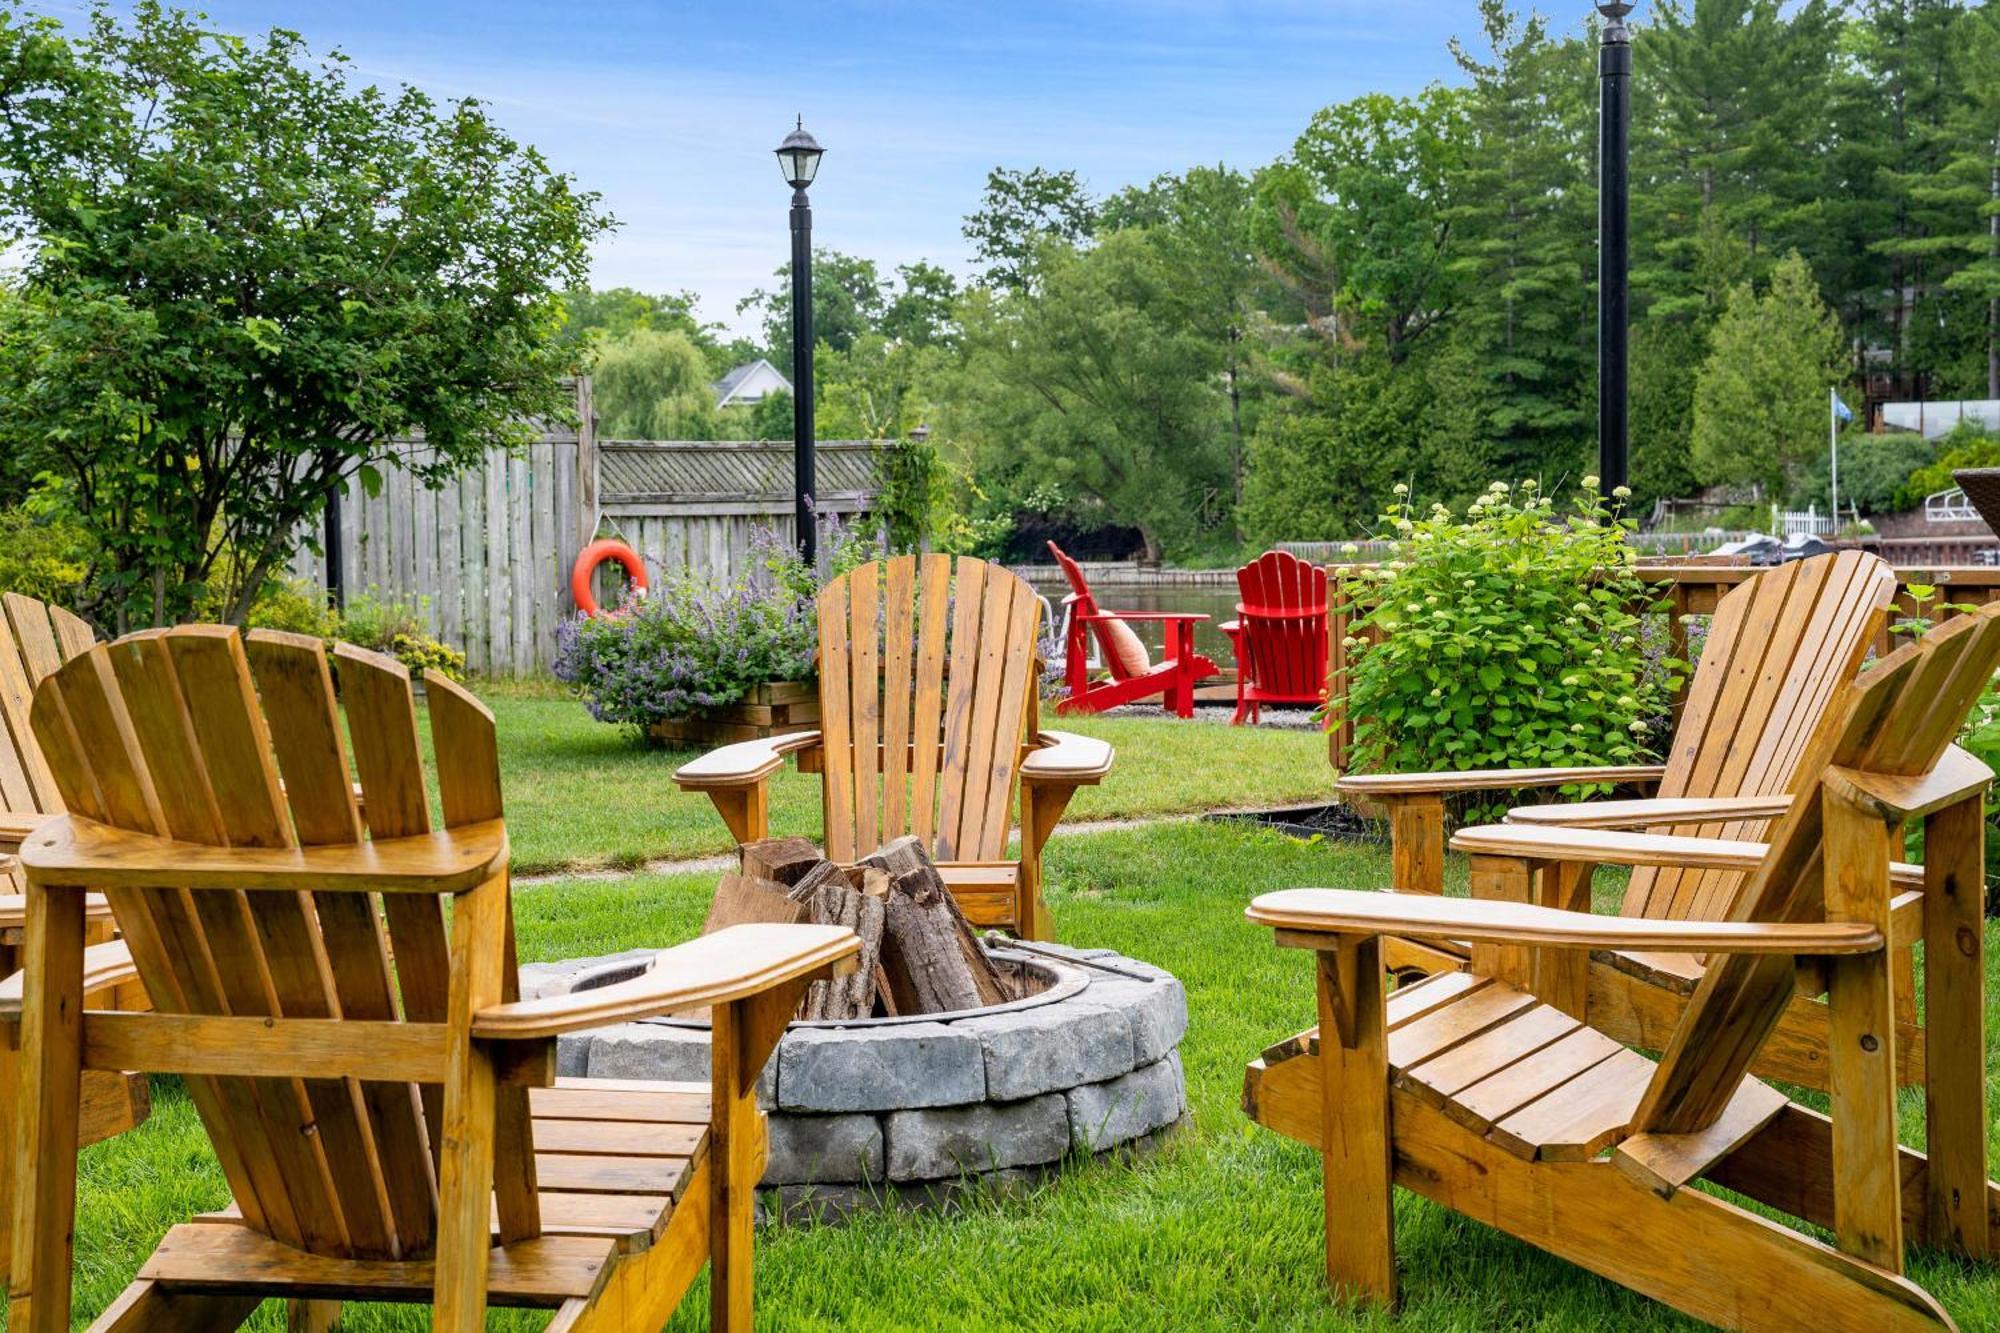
(595, 554)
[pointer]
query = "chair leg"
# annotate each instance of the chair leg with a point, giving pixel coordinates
(471, 1101)
(1354, 1123)
(1416, 843)
(311, 1316)
(48, 1111)
(1955, 1036)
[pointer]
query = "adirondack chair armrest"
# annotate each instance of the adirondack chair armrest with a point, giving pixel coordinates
(1066, 759)
(1646, 814)
(1377, 786)
(1616, 847)
(744, 764)
(16, 825)
(72, 850)
(1957, 776)
(1142, 615)
(104, 965)
(732, 964)
(1304, 917)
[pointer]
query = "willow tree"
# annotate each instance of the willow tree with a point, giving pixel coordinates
(245, 279)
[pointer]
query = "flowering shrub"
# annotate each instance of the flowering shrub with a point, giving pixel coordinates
(1510, 638)
(698, 644)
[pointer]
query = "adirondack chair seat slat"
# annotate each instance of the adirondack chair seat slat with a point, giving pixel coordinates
(73, 850)
(1649, 813)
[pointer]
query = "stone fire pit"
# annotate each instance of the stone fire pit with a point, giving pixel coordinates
(909, 1111)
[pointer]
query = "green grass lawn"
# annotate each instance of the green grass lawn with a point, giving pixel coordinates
(584, 795)
(1219, 1230)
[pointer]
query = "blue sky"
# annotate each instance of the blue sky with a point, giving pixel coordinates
(670, 110)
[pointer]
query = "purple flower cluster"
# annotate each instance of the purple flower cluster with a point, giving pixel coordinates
(696, 646)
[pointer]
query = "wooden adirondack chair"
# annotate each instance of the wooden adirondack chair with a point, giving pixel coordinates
(35, 640)
(1133, 675)
(1482, 1090)
(1778, 648)
(462, 1172)
(929, 723)
(1279, 634)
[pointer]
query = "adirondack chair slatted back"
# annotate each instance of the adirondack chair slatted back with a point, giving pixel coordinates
(35, 640)
(163, 733)
(1283, 615)
(927, 685)
(1777, 651)
(1897, 719)
(1083, 602)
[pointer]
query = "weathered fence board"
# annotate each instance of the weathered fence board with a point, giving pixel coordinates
(487, 555)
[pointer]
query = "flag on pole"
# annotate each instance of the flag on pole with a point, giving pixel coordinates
(1840, 409)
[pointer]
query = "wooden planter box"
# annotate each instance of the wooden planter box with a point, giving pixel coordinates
(776, 709)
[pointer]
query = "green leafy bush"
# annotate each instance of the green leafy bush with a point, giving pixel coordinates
(1966, 446)
(1874, 470)
(396, 627)
(42, 555)
(1510, 638)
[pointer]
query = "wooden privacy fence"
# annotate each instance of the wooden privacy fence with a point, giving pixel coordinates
(1689, 590)
(487, 555)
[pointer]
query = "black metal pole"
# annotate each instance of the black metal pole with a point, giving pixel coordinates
(336, 572)
(1614, 74)
(804, 480)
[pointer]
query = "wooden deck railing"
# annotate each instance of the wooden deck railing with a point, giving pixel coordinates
(1690, 590)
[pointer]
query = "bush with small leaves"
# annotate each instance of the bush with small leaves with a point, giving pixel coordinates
(1508, 638)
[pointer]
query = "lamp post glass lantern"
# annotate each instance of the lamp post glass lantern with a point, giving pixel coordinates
(1614, 74)
(798, 160)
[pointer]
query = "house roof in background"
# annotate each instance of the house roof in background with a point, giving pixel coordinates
(745, 376)
(728, 471)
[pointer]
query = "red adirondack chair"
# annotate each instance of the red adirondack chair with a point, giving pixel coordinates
(1279, 634)
(1133, 673)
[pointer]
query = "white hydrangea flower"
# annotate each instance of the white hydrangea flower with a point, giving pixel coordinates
(1622, 492)
(1401, 489)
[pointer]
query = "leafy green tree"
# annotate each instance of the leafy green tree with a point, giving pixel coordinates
(1966, 191)
(1894, 138)
(1200, 223)
(878, 389)
(1019, 213)
(244, 279)
(848, 301)
(1359, 218)
(1733, 107)
(1524, 225)
(1760, 406)
(921, 311)
(1095, 382)
(617, 311)
(651, 384)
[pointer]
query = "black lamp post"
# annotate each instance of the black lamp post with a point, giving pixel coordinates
(1614, 114)
(798, 159)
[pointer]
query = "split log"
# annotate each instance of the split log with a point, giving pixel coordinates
(836, 903)
(905, 858)
(786, 860)
(740, 899)
(933, 961)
